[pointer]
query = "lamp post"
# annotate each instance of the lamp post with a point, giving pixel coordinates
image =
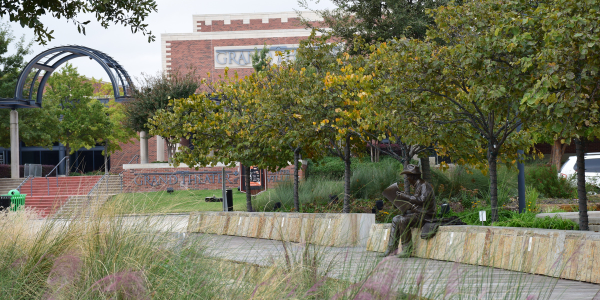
(521, 178)
(14, 144)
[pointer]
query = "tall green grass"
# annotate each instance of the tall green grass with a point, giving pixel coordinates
(310, 190)
(112, 256)
(367, 182)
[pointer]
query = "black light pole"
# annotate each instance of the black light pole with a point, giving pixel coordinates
(521, 178)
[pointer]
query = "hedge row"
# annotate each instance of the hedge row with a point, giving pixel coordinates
(5, 170)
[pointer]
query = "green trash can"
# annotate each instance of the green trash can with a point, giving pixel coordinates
(17, 200)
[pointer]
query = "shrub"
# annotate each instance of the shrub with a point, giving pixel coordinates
(529, 220)
(452, 182)
(331, 167)
(508, 218)
(545, 179)
(531, 196)
(309, 190)
(328, 167)
(370, 179)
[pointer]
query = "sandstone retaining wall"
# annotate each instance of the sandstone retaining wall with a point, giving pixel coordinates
(558, 253)
(338, 230)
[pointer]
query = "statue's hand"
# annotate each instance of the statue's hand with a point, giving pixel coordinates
(402, 195)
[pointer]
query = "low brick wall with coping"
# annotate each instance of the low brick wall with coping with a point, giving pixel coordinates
(159, 176)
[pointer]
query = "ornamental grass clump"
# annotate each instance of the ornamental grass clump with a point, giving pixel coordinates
(109, 255)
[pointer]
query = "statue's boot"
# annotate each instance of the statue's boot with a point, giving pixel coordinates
(406, 250)
(388, 252)
(391, 248)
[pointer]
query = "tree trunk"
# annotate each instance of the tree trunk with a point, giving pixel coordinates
(296, 168)
(347, 175)
(375, 151)
(105, 159)
(556, 154)
(248, 194)
(67, 160)
(405, 163)
(426, 169)
(492, 157)
(169, 152)
(581, 192)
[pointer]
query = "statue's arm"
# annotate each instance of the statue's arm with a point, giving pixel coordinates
(421, 195)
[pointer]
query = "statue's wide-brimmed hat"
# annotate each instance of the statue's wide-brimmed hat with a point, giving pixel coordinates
(411, 169)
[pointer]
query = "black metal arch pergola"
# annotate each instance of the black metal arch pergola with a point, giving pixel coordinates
(48, 61)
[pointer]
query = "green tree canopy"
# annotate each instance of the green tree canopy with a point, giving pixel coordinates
(35, 125)
(376, 20)
(27, 13)
(82, 121)
(567, 94)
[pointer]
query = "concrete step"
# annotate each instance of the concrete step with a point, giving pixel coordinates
(7, 184)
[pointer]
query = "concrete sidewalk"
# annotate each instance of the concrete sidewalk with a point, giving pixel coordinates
(437, 277)
(593, 218)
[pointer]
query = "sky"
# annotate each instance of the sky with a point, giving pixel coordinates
(133, 51)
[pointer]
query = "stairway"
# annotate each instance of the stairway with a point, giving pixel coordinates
(7, 184)
(48, 195)
(86, 205)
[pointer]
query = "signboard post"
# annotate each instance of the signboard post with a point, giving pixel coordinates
(482, 216)
(224, 190)
(258, 179)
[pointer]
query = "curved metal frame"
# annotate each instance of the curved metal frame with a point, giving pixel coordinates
(53, 59)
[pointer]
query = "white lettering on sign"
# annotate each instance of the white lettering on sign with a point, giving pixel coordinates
(241, 56)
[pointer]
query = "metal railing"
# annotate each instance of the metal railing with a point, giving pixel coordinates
(48, 180)
(121, 174)
(97, 184)
(22, 183)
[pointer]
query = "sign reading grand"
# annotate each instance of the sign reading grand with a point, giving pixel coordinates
(240, 56)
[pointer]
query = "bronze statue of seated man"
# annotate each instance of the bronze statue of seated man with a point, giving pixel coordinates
(416, 207)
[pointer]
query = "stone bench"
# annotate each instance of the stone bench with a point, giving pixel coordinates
(337, 230)
(558, 253)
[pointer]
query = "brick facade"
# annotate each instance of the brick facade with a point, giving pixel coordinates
(199, 54)
(182, 51)
(593, 146)
(129, 150)
(183, 178)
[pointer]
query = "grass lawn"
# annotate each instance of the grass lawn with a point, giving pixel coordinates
(178, 201)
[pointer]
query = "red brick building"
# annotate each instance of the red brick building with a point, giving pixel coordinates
(216, 42)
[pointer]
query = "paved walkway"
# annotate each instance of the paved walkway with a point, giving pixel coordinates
(437, 277)
(356, 264)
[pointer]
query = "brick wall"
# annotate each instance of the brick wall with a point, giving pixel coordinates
(199, 54)
(589, 147)
(210, 178)
(255, 24)
(182, 51)
(129, 150)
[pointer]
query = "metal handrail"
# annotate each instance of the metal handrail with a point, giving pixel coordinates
(121, 173)
(48, 180)
(22, 183)
(136, 161)
(96, 185)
